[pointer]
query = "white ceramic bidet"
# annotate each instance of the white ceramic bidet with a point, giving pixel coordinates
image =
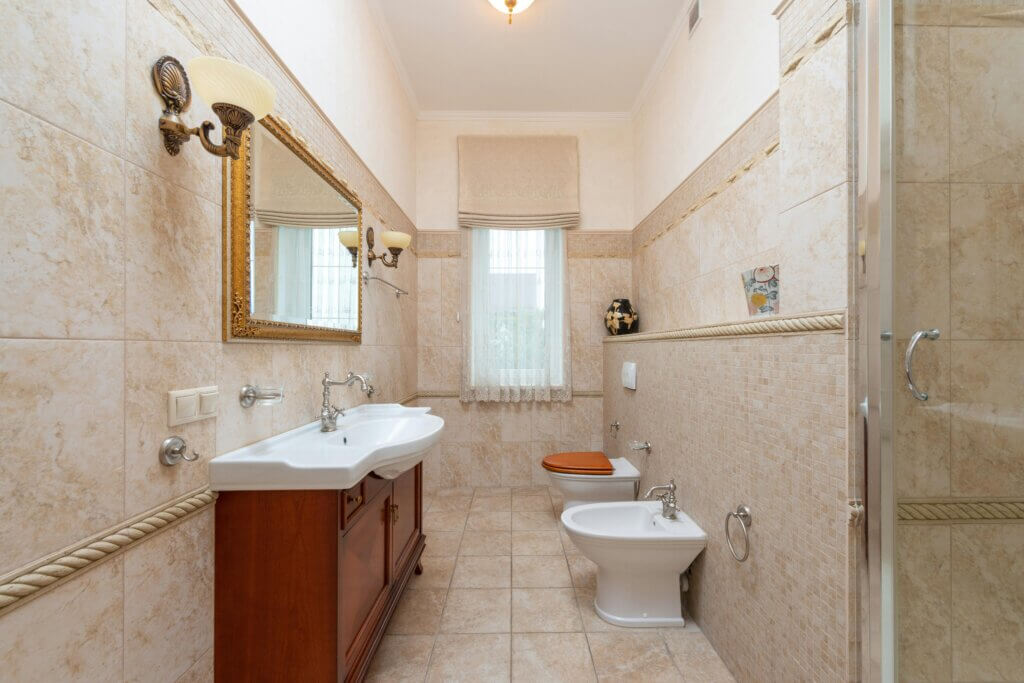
(639, 555)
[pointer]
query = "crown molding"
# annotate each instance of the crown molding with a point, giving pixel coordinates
(658, 66)
(486, 115)
(392, 47)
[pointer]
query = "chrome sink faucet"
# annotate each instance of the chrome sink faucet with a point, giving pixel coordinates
(669, 508)
(328, 413)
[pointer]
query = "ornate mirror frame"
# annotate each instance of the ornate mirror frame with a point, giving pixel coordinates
(238, 324)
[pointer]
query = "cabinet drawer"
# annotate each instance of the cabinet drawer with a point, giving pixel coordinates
(352, 500)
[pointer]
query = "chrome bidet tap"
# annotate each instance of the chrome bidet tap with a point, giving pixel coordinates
(669, 506)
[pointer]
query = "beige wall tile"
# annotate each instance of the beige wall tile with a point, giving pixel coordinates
(73, 633)
(782, 398)
(921, 257)
(151, 370)
(175, 570)
(986, 105)
(923, 566)
(814, 123)
(44, 43)
(815, 253)
(986, 245)
(985, 12)
(987, 434)
(988, 602)
(61, 421)
(922, 12)
(63, 235)
(173, 263)
(922, 91)
(922, 428)
(238, 365)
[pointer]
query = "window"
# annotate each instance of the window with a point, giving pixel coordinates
(519, 332)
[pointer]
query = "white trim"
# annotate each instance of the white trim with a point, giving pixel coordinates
(485, 115)
(681, 22)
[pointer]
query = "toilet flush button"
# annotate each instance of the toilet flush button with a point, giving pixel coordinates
(629, 375)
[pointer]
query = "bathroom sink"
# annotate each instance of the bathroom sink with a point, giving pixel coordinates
(386, 439)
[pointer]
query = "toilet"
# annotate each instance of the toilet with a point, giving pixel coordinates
(591, 477)
(640, 556)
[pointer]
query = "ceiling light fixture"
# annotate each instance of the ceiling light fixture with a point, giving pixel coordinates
(510, 7)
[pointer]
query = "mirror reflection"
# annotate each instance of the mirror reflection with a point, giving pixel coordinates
(303, 242)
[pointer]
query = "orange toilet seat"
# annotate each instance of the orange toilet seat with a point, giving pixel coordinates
(590, 462)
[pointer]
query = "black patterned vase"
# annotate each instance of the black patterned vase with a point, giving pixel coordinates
(621, 318)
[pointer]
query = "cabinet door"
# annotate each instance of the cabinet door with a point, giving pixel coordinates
(365, 572)
(405, 516)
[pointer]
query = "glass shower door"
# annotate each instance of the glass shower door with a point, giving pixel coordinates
(957, 395)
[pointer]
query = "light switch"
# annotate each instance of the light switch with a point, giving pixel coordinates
(190, 405)
(629, 375)
(208, 401)
(185, 406)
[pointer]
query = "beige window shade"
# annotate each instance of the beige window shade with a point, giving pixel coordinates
(518, 182)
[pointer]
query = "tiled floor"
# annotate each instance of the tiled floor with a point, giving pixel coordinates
(504, 595)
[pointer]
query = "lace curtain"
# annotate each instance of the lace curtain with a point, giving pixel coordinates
(517, 346)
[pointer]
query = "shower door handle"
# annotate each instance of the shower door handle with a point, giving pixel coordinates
(908, 361)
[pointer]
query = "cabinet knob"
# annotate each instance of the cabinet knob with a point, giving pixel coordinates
(394, 514)
(355, 500)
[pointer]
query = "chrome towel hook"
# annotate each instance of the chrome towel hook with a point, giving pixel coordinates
(908, 361)
(742, 513)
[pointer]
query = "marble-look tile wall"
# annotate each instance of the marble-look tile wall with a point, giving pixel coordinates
(490, 444)
(759, 421)
(112, 297)
(779, 192)
(958, 207)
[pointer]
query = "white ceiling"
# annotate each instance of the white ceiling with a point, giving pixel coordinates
(557, 56)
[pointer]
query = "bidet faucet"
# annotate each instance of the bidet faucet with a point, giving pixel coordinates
(669, 508)
(328, 413)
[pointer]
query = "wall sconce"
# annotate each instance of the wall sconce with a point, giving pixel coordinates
(395, 242)
(350, 240)
(237, 94)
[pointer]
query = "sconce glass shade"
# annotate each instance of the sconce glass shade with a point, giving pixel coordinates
(348, 238)
(221, 80)
(521, 6)
(393, 239)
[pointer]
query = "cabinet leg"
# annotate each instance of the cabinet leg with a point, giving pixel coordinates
(419, 568)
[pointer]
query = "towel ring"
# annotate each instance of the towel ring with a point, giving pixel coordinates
(742, 513)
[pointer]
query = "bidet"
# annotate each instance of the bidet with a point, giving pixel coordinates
(639, 556)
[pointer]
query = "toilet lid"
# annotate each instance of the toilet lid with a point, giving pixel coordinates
(591, 462)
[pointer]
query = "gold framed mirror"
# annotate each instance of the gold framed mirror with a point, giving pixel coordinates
(292, 242)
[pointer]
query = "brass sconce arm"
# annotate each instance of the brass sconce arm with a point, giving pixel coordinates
(173, 86)
(383, 258)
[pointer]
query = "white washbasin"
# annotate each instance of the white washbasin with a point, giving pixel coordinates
(386, 439)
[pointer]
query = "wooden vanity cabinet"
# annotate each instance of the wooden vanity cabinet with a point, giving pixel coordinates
(306, 581)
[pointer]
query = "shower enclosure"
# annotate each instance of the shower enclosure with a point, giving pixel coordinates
(940, 337)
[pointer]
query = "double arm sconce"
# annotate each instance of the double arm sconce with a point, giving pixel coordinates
(237, 94)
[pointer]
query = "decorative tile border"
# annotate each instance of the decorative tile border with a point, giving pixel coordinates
(954, 510)
(833, 24)
(455, 394)
(754, 141)
(17, 587)
(829, 321)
